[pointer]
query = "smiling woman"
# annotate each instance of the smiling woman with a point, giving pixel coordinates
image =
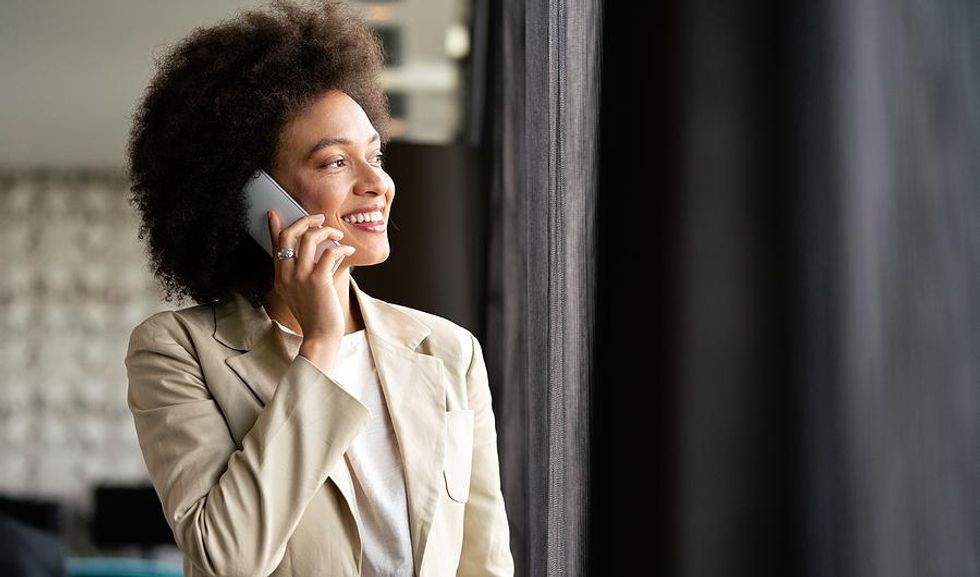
(292, 424)
(338, 176)
(218, 107)
(329, 159)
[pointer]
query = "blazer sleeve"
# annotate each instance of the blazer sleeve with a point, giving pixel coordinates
(232, 510)
(486, 531)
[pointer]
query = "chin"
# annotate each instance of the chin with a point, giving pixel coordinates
(371, 260)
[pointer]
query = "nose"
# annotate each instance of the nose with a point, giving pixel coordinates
(370, 179)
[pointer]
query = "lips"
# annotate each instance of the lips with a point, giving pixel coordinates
(376, 226)
(366, 209)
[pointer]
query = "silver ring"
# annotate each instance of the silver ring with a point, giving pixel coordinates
(284, 253)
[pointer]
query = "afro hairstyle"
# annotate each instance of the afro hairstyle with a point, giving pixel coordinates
(213, 114)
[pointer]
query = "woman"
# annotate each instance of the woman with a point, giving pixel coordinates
(291, 423)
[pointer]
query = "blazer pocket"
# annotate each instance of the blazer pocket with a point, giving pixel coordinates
(459, 453)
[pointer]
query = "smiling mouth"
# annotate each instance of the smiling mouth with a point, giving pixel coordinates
(365, 218)
(369, 225)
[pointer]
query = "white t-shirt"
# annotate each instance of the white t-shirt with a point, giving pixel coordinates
(375, 466)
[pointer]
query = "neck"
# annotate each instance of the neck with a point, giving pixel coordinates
(278, 310)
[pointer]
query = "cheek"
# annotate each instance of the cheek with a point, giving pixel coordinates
(318, 198)
(305, 195)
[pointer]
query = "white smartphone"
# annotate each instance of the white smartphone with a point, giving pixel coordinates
(263, 193)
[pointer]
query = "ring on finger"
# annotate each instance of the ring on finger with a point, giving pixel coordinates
(285, 253)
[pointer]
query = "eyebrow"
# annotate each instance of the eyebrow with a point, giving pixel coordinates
(325, 142)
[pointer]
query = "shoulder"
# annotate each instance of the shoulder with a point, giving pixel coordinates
(447, 339)
(175, 326)
(169, 341)
(164, 358)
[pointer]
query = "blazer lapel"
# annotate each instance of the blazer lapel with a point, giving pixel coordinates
(266, 356)
(413, 385)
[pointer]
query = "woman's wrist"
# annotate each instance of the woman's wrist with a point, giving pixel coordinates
(321, 351)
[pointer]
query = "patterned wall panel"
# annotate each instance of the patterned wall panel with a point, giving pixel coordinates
(74, 283)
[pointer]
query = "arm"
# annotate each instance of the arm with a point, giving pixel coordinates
(486, 532)
(232, 510)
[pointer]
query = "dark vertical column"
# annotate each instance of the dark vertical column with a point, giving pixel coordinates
(634, 434)
(695, 438)
(735, 435)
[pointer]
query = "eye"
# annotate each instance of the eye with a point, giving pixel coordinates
(329, 164)
(379, 159)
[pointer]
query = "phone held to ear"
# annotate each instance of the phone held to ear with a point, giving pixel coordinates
(263, 194)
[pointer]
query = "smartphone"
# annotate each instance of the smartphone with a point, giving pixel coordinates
(263, 193)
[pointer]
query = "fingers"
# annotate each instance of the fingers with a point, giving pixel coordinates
(275, 230)
(303, 236)
(287, 237)
(273, 220)
(330, 261)
(308, 244)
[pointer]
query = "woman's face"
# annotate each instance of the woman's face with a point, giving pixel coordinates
(328, 159)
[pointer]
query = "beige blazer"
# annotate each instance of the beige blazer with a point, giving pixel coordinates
(244, 441)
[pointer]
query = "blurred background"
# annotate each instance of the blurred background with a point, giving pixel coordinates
(723, 258)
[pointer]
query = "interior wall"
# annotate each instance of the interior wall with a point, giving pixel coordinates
(74, 284)
(74, 71)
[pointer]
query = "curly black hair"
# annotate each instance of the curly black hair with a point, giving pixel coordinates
(213, 114)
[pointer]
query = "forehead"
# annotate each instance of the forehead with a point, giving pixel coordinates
(333, 115)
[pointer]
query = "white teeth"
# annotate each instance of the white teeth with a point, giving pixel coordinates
(365, 217)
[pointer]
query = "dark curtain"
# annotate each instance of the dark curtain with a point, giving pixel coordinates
(534, 114)
(890, 378)
(733, 298)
